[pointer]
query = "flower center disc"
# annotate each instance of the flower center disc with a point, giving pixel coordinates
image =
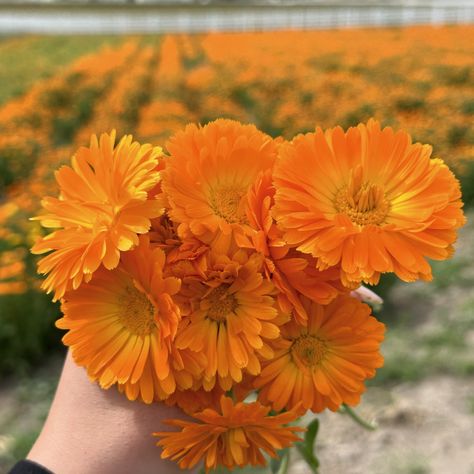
(225, 202)
(136, 311)
(309, 350)
(220, 303)
(363, 203)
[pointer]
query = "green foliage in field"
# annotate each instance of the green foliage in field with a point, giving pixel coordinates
(72, 110)
(41, 57)
(17, 160)
(27, 332)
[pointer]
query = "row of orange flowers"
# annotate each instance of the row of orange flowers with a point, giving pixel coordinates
(226, 268)
(417, 78)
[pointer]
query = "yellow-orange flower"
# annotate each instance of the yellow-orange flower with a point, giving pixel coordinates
(233, 436)
(185, 369)
(121, 324)
(368, 200)
(103, 205)
(231, 318)
(326, 363)
(186, 256)
(194, 400)
(209, 172)
(293, 273)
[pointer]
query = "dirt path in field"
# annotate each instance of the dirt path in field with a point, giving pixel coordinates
(424, 427)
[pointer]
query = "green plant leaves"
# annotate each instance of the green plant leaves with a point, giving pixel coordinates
(306, 447)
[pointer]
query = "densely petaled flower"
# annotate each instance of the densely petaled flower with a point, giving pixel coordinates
(186, 256)
(194, 400)
(368, 200)
(209, 172)
(293, 273)
(185, 369)
(231, 317)
(121, 324)
(103, 205)
(197, 398)
(236, 435)
(326, 363)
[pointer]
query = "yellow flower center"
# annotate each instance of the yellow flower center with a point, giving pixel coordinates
(225, 201)
(363, 203)
(221, 303)
(309, 350)
(137, 312)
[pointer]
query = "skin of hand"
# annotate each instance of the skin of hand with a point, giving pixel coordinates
(95, 431)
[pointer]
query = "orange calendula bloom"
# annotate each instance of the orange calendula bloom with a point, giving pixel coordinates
(185, 369)
(235, 435)
(103, 205)
(293, 273)
(368, 200)
(326, 363)
(209, 172)
(231, 318)
(185, 255)
(193, 400)
(121, 324)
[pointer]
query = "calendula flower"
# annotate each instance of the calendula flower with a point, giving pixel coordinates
(103, 205)
(196, 399)
(209, 172)
(293, 273)
(121, 324)
(235, 435)
(326, 363)
(186, 256)
(368, 200)
(185, 369)
(231, 317)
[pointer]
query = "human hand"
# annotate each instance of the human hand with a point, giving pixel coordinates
(90, 430)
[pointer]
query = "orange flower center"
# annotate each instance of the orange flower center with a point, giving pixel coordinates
(137, 311)
(309, 350)
(221, 303)
(363, 203)
(225, 201)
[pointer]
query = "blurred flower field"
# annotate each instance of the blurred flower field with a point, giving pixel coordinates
(55, 92)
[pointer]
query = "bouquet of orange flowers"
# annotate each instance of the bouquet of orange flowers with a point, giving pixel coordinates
(227, 268)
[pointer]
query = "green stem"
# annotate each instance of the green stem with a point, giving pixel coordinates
(365, 424)
(285, 462)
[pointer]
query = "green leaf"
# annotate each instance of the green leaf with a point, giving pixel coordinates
(311, 433)
(306, 447)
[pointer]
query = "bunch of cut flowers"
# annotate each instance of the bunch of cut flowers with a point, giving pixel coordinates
(224, 276)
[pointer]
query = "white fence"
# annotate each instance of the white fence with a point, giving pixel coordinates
(147, 19)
